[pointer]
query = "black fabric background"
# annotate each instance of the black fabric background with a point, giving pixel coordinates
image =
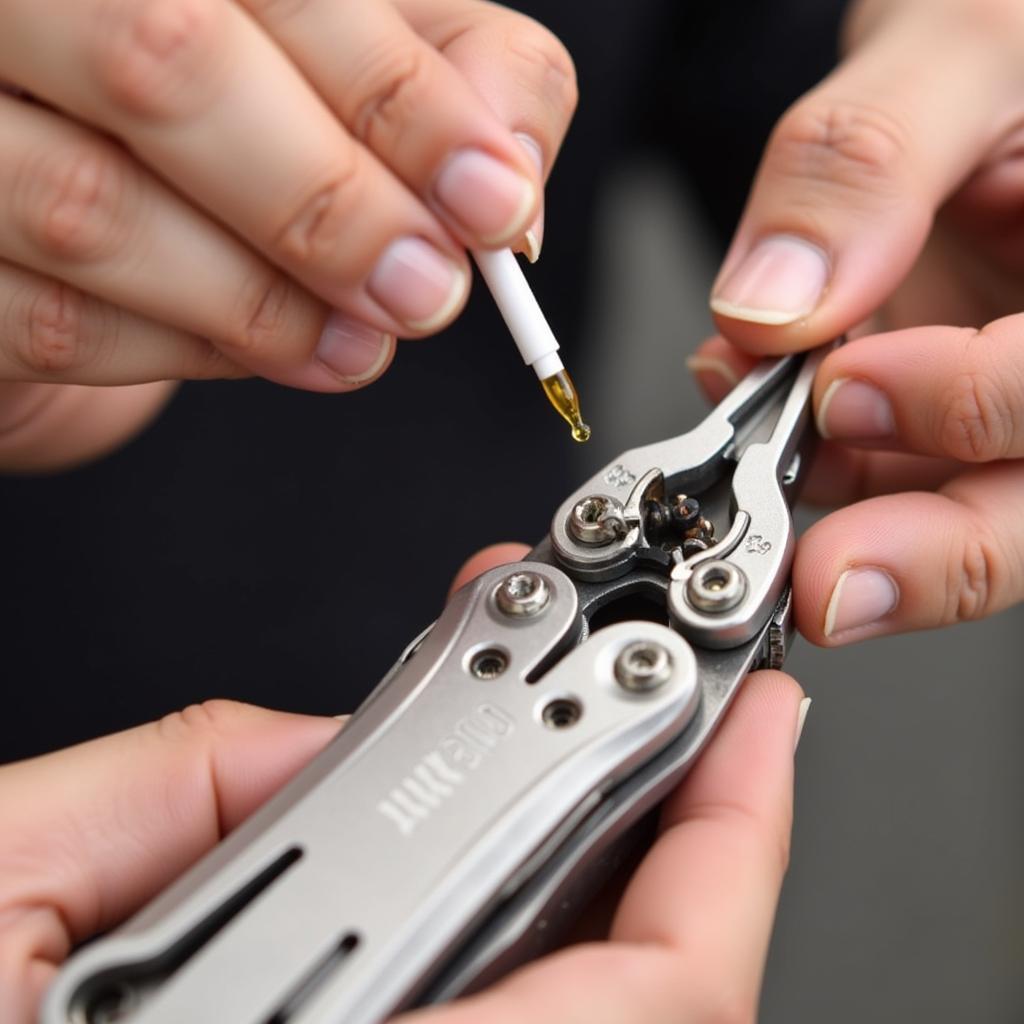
(281, 547)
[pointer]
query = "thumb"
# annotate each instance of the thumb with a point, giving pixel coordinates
(854, 172)
(88, 834)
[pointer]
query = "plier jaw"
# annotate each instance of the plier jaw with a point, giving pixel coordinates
(710, 507)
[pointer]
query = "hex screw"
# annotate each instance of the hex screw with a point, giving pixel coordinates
(523, 594)
(597, 520)
(643, 666)
(716, 587)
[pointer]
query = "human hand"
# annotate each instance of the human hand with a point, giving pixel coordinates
(897, 186)
(89, 834)
(216, 188)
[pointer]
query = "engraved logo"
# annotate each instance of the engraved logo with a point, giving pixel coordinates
(619, 476)
(437, 775)
(757, 545)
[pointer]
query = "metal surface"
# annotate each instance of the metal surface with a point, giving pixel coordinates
(500, 771)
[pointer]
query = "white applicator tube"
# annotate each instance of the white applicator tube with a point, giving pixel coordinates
(520, 310)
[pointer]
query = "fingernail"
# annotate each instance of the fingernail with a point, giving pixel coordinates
(533, 240)
(861, 597)
(353, 350)
(853, 410)
(417, 285)
(716, 367)
(780, 280)
(801, 717)
(489, 199)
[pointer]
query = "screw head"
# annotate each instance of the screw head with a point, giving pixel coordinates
(643, 666)
(597, 520)
(523, 594)
(716, 587)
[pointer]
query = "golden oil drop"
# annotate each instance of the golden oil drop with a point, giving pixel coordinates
(562, 395)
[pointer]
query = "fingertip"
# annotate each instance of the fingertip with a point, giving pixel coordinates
(530, 244)
(255, 750)
(770, 695)
(490, 200)
(487, 558)
(718, 367)
(758, 339)
(815, 570)
(418, 286)
(778, 282)
(533, 240)
(350, 354)
(846, 585)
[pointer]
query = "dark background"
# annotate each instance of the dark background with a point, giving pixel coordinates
(281, 547)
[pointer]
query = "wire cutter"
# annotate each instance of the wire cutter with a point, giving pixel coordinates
(506, 765)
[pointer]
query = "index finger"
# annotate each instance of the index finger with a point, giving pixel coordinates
(520, 69)
(856, 169)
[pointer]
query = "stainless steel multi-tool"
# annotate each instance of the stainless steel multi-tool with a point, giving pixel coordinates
(503, 769)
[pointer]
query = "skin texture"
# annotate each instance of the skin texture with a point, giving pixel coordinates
(85, 843)
(904, 172)
(270, 161)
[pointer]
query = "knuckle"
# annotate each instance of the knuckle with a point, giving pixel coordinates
(156, 58)
(207, 362)
(199, 722)
(977, 422)
(277, 11)
(52, 338)
(547, 64)
(75, 196)
(260, 317)
(970, 585)
(388, 90)
(855, 146)
(314, 233)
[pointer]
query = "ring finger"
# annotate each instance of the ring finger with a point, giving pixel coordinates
(77, 208)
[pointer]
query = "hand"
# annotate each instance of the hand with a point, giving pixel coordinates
(84, 843)
(216, 188)
(897, 186)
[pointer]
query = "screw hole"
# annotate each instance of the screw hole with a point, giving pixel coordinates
(561, 713)
(489, 664)
(112, 1004)
(641, 659)
(715, 580)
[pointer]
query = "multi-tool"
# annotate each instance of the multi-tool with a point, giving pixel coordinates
(506, 766)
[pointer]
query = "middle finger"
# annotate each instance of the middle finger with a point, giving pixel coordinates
(380, 78)
(196, 89)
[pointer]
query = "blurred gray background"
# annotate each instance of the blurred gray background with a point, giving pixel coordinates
(905, 896)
